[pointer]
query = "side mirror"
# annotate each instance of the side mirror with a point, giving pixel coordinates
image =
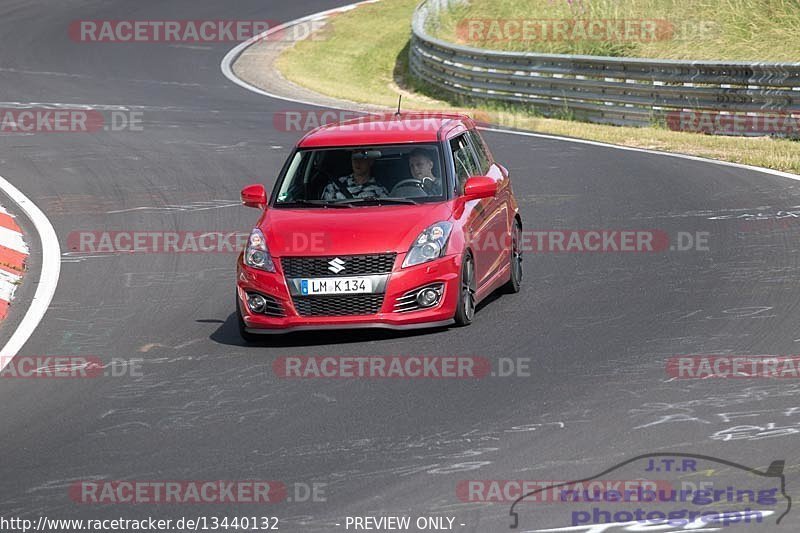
(478, 187)
(254, 196)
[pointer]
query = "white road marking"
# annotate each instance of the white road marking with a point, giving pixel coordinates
(233, 55)
(48, 279)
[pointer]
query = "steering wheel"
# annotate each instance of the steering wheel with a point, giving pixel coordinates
(410, 182)
(428, 183)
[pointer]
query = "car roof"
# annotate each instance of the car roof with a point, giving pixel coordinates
(376, 129)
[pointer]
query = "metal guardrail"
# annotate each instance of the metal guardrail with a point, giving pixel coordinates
(610, 90)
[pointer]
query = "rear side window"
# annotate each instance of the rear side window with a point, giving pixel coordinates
(464, 161)
(480, 151)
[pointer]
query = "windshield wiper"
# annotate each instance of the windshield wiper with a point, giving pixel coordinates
(378, 201)
(312, 203)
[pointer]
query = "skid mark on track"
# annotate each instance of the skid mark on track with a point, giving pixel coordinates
(195, 206)
(80, 257)
(735, 416)
(213, 146)
(172, 404)
(329, 399)
(139, 280)
(442, 453)
(159, 197)
(151, 345)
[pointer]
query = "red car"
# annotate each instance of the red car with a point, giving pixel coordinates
(398, 221)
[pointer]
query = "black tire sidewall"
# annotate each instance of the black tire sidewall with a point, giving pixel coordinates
(460, 314)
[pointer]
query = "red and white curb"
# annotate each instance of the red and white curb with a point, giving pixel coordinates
(13, 254)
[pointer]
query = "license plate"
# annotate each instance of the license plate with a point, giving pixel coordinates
(335, 286)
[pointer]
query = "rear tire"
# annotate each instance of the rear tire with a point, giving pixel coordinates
(465, 310)
(515, 261)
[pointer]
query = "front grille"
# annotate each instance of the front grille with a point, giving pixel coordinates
(351, 265)
(338, 305)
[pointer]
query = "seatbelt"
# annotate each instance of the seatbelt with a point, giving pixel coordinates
(347, 194)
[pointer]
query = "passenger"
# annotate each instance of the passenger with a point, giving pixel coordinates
(420, 163)
(359, 184)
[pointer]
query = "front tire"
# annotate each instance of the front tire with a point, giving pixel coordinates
(465, 310)
(515, 283)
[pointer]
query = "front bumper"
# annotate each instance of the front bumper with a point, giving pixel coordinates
(400, 281)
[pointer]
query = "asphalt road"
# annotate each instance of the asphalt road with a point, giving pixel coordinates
(597, 328)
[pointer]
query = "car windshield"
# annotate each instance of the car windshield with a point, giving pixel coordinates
(362, 176)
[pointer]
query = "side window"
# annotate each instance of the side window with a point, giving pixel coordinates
(464, 160)
(480, 151)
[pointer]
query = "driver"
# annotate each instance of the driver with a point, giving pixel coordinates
(359, 184)
(420, 162)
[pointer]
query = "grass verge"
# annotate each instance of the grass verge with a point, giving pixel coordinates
(744, 30)
(363, 58)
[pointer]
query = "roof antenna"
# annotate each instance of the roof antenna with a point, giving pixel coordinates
(398, 106)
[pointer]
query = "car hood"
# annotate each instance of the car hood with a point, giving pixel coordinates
(348, 231)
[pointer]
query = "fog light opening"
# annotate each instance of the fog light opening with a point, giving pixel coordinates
(428, 297)
(256, 303)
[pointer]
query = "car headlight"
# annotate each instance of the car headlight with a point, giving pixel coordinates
(256, 254)
(429, 245)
